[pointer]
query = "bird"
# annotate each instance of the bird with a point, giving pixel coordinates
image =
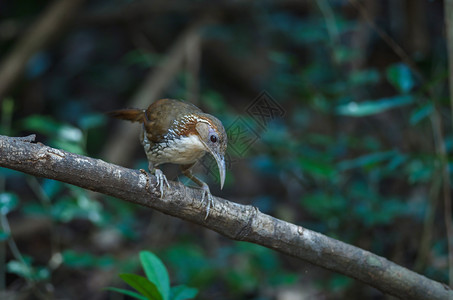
(178, 132)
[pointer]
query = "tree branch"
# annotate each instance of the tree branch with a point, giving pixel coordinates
(239, 222)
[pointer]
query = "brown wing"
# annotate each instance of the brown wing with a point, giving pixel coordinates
(160, 116)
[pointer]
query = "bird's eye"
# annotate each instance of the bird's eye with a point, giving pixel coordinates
(213, 138)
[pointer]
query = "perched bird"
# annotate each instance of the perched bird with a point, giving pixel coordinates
(178, 132)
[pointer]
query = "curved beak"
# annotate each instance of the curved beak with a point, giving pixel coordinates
(220, 159)
(221, 164)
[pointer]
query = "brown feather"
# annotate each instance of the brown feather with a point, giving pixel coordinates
(161, 115)
(130, 114)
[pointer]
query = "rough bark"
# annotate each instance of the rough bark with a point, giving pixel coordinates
(239, 222)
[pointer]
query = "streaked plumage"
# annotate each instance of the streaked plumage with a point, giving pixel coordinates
(177, 132)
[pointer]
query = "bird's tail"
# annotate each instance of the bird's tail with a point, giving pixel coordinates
(129, 114)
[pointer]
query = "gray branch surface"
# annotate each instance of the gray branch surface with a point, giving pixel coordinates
(239, 222)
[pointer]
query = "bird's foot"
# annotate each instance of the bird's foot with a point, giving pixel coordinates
(207, 194)
(160, 176)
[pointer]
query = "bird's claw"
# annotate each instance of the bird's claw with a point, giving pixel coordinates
(207, 193)
(161, 178)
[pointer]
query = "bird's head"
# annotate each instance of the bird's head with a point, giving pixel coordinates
(214, 138)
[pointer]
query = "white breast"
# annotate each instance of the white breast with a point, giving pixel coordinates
(185, 150)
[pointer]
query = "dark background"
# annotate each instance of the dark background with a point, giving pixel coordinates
(337, 113)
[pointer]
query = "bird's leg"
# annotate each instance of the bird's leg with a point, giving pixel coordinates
(160, 176)
(187, 171)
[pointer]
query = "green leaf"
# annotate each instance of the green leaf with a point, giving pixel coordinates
(42, 124)
(74, 259)
(84, 260)
(366, 160)
(127, 292)
(156, 272)
(400, 76)
(68, 146)
(339, 283)
(420, 170)
(182, 292)
(397, 161)
(41, 273)
(25, 270)
(51, 187)
(19, 268)
(367, 108)
(324, 205)
(361, 77)
(8, 202)
(50, 127)
(421, 113)
(317, 167)
(142, 285)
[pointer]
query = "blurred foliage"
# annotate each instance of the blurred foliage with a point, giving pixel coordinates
(351, 152)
